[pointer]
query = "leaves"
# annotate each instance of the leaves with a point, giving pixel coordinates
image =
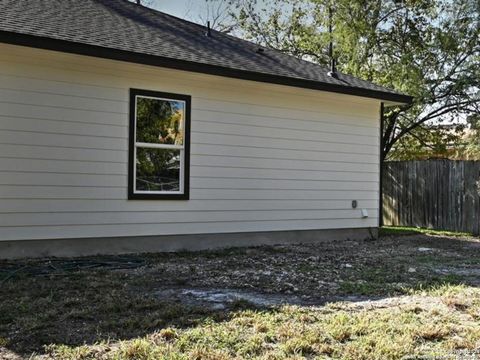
(429, 49)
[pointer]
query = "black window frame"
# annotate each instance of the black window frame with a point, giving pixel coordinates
(132, 195)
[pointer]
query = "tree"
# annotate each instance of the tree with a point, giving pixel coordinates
(217, 12)
(429, 49)
(432, 142)
(158, 122)
(472, 148)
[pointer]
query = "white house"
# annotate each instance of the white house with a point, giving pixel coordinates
(123, 129)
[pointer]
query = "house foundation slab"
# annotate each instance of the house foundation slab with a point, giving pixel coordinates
(172, 243)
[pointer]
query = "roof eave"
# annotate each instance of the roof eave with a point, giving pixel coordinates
(133, 57)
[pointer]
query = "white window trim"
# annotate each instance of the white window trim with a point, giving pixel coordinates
(160, 146)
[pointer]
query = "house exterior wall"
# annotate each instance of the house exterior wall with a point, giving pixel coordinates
(264, 157)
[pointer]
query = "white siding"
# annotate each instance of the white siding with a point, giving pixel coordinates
(263, 157)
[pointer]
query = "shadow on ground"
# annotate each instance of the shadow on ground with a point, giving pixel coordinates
(89, 300)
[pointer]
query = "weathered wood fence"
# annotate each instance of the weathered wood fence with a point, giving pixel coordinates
(438, 194)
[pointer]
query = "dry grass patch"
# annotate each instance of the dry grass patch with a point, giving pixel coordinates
(431, 327)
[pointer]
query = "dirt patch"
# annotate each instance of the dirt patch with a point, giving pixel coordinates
(220, 299)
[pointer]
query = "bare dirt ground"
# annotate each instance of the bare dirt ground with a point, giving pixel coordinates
(48, 304)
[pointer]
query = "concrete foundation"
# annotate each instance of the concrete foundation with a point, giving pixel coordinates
(171, 243)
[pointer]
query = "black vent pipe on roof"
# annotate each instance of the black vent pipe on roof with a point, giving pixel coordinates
(209, 31)
(333, 68)
(333, 65)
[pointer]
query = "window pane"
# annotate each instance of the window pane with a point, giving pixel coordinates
(158, 170)
(160, 121)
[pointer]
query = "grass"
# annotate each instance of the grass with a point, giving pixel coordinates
(404, 230)
(437, 327)
(116, 314)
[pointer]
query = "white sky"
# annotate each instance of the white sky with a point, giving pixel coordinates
(178, 8)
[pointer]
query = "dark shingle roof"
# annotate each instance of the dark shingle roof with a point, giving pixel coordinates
(122, 30)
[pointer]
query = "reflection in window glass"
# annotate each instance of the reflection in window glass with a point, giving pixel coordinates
(158, 159)
(158, 169)
(160, 121)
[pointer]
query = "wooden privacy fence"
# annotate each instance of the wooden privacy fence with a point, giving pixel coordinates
(438, 194)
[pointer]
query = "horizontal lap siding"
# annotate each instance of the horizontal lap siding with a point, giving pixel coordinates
(76, 231)
(263, 157)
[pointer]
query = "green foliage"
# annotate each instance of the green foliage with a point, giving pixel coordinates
(472, 148)
(427, 142)
(425, 48)
(159, 121)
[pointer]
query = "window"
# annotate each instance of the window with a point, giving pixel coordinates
(159, 145)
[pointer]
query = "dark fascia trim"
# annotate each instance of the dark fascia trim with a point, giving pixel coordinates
(133, 57)
(380, 182)
(131, 146)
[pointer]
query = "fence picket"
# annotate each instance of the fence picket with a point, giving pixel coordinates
(440, 194)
